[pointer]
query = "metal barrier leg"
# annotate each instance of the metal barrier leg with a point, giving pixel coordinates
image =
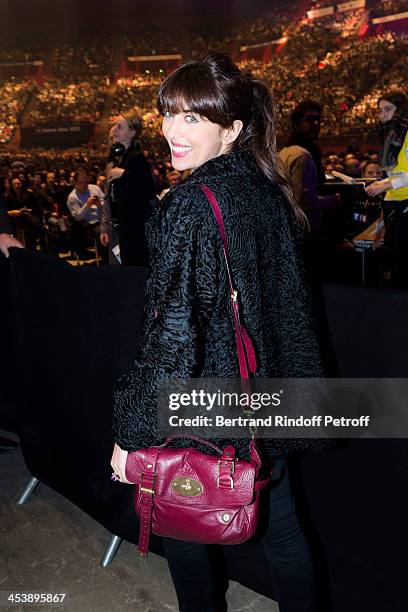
(28, 491)
(111, 551)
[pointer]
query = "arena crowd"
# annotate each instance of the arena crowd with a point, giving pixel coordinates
(326, 59)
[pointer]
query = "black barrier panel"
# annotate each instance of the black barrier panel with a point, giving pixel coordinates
(57, 135)
(70, 332)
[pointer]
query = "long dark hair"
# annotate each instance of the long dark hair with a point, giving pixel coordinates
(215, 88)
(392, 133)
(397, 98)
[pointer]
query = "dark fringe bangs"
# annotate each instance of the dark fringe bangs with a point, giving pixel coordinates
(185, 90)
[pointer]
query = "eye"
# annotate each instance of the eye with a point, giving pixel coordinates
(191, 119)
(166, 113)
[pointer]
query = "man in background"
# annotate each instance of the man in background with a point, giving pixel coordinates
(302, 160)
(90, 211)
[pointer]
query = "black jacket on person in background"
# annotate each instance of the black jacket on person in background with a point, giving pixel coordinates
(130, 205)
(5, 227)
(188, 329)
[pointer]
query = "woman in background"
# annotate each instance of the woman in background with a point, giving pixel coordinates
(393, 133)
(130, 190)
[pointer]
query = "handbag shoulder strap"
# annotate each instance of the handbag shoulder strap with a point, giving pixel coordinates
(245, 349)
(146, 492)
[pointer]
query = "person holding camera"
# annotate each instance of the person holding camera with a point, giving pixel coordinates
(130, 188)
(90, 211)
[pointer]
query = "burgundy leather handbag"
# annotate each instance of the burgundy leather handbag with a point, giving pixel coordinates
(187, 495)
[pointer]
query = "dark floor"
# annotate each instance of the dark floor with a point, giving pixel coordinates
(50, 546)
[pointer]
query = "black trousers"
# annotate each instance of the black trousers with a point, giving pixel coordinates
(289, 562)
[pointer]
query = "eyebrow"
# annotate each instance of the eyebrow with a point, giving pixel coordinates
(185, 111)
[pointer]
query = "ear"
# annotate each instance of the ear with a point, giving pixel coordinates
(232, 133)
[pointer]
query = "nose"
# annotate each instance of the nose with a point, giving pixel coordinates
(173, 128)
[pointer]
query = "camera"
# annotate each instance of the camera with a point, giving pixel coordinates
(116, 152)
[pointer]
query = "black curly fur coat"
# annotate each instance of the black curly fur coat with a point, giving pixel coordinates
(188, 329)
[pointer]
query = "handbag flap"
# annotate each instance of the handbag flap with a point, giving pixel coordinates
(191, 477)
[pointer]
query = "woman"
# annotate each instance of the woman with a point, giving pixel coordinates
(393, 132)
(130, 189)
(220, 125)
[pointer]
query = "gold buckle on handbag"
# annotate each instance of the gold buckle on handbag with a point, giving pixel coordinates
(232, 466)
(232, 471)
(230, 481)
(146, 490)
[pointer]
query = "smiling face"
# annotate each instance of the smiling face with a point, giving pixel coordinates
(193, 140)
(386, 110)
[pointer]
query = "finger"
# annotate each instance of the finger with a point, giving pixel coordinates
(124, 481)
(119, 477)
(121, 472)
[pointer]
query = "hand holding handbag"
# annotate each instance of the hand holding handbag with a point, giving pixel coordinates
(188, 495)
